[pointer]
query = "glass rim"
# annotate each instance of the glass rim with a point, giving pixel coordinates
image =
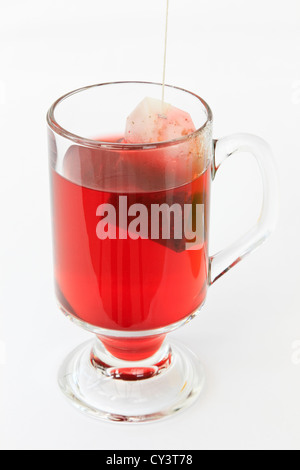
(55, 126)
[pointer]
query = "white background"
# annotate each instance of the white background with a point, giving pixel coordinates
(243, 57)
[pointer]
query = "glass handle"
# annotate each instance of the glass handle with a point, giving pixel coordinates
(224, 260)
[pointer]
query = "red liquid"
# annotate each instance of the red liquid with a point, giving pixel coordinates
(122, 284)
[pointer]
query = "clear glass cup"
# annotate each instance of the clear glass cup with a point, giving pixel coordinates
(131, 258)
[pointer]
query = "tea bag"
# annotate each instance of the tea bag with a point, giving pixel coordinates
(155, 121)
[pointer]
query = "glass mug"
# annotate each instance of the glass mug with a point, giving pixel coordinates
(131, 259)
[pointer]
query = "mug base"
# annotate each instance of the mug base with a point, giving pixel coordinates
(132, 392)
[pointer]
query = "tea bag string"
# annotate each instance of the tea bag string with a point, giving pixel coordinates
(165, 54)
